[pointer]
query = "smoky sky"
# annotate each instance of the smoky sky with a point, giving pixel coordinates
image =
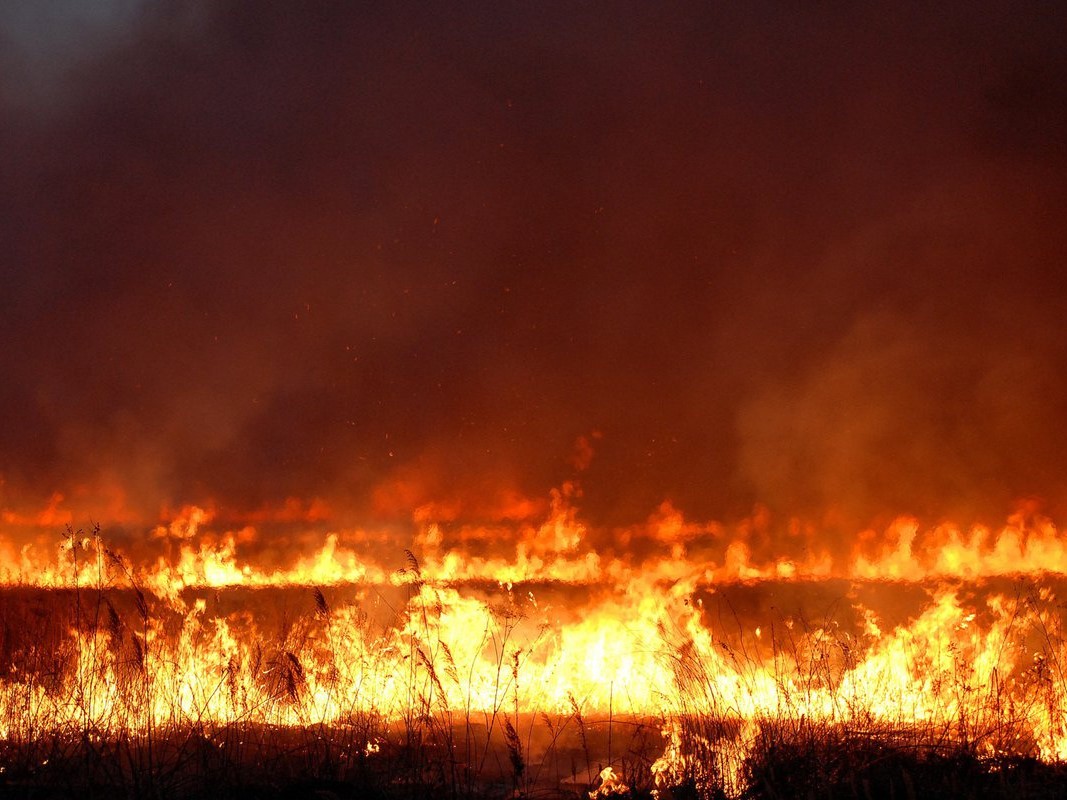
(806, 255)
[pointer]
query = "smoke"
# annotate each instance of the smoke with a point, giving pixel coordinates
(805, 257)
(45, 43)
(941, 395)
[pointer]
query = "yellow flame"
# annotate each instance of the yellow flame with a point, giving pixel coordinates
(153, 642)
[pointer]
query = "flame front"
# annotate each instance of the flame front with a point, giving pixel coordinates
(950, 635)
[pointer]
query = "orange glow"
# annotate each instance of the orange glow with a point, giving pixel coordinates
(545, 622)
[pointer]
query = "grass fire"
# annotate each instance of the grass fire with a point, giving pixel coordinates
(531, 401)
(186, 669)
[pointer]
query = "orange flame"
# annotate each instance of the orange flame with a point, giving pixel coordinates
(544, 622)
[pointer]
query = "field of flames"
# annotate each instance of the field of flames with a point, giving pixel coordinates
(520, 658)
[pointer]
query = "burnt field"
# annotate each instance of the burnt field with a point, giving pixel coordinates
(325, 762)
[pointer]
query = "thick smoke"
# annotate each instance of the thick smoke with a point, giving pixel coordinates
(804, 256)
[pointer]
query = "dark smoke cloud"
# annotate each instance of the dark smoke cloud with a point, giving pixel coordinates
(804, 255)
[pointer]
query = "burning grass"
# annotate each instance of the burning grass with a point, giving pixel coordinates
(421, 687)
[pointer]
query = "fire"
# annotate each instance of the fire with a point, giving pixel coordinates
(955, 635)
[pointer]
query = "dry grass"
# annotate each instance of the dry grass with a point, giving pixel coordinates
(418, 745)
